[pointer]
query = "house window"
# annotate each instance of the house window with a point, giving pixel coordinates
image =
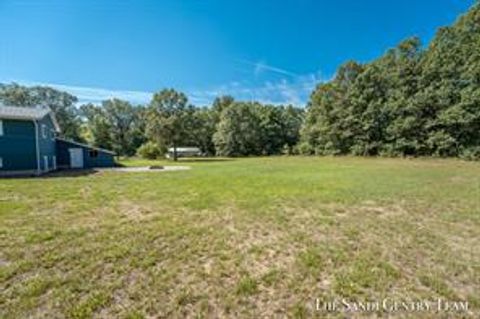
(44, 131)
(93, 153)
(1, 128)
(1, 162)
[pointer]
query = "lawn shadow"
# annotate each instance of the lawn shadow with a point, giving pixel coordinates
(118, 164)
(53, 174)
(70, 173)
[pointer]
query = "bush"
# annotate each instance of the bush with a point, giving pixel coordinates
(287, 150)
(471, 153)
(150, 150)
(304, 149)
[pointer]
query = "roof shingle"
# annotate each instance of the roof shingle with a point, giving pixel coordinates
(27, 113)
(23, 113)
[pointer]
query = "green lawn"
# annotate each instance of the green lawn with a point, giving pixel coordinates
(240, 238)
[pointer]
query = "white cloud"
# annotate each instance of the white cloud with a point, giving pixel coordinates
(94, 95)
(292, 90)
(295, 90)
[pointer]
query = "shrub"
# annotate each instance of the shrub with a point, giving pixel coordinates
(471, 153)
(304, 149)
(150, 150)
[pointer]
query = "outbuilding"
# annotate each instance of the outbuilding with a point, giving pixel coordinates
(184, 152)
(71, 154)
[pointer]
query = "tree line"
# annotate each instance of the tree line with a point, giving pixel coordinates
(412, 101)
(226, 128)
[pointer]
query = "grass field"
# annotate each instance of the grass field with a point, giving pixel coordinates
(240, 238)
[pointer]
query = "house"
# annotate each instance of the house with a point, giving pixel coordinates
(29, 144)
(184, 152)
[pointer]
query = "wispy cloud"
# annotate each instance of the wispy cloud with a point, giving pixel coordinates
(260, 67)
(295, 91)
(292, 90)
(94, 95)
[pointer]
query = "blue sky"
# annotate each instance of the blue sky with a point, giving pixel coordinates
(273, 51)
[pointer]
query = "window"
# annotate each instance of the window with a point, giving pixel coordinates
(1, 128)
(1, 162)
(44, 131)
(93, 153)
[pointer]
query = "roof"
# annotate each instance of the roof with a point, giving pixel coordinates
(86, 146)
(28, 113)
(185, 149)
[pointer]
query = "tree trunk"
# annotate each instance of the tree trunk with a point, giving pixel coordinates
(175, 157)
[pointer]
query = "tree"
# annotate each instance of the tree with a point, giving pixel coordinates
(116, 125)
(238, 131)
(202, 128)
(330, 123)
(291, 119)
(122, 119)
(167, 119)
(271, 128)
(222, 102)
(61, 103)
(410, 101)
(98, 128)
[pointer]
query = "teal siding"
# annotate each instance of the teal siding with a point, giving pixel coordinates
(46, 143)
(103, 159)
(18, 148)
(17, 145)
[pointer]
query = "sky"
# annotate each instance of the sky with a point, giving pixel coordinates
(266, 50)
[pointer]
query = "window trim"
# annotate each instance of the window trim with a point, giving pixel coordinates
(1, 162)
(44, 131)
(46, 164)
(1, 128)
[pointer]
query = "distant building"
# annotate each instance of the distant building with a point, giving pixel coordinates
(185, 152)
(29, 144)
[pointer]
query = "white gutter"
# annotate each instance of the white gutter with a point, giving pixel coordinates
(37, 147)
